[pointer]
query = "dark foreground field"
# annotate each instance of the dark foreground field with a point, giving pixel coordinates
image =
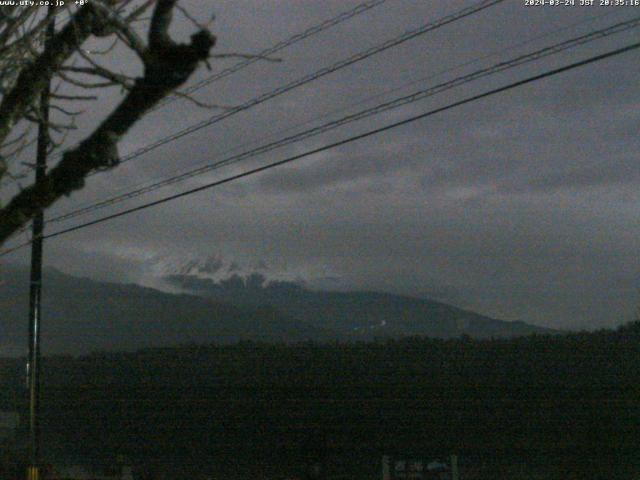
(556, 407)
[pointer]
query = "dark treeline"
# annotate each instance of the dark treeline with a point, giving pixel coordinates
(568, 406)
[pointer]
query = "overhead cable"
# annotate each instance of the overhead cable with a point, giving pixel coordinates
(348, 140)
(332, 125)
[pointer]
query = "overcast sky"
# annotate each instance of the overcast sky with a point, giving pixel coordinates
(524, 205)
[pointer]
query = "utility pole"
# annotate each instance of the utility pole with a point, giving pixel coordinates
(455, 474)
(35, 291)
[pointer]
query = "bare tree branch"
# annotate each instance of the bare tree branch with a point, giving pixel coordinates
(83, 84)
(167, 65)
(201, 104)
(123, 30)
(97, 70)
(245, 56)
(33, 78)
(58, 96)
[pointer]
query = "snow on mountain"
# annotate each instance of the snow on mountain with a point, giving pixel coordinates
(217, 268)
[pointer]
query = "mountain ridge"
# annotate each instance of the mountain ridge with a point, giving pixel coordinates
(82, 315)
(355, 310)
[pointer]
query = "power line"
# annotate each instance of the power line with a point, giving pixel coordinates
(149, 183)
(325, 25)
(393, 42)
(342, 17)
(405, 37)
(395, 103)
(351, 139)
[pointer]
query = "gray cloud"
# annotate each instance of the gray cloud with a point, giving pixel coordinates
(523, 205)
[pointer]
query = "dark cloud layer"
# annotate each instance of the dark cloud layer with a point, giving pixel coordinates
(523, 205)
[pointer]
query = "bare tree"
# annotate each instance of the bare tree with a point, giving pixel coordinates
(26, 67)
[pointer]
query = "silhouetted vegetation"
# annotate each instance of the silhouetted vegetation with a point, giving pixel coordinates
(565, 406)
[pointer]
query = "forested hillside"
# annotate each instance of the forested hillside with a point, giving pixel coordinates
(84, 315)
(563, 405)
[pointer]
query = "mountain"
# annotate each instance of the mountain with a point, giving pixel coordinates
(82, 315)
(354, 315)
